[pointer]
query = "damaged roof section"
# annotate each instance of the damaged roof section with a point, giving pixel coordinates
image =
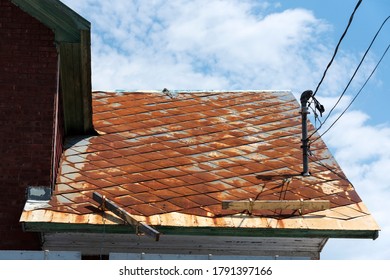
(172, 161)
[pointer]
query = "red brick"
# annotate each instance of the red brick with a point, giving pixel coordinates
(28, 86)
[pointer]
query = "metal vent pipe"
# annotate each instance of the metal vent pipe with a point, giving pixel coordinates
(306, 95)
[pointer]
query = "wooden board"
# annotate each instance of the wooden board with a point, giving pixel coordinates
(276, 204)
(122, 213)
(85, 56)
(71, 88)
(75, 71)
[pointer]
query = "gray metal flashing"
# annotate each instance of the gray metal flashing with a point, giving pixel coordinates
(38, 197)
(38, 193)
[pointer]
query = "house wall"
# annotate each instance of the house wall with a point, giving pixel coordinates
(28, 89)
(130, 246)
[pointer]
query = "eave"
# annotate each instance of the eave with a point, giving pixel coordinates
(65, 23)
(330, 223)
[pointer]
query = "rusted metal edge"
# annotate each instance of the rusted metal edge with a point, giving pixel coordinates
(250, 205)
(123, 214)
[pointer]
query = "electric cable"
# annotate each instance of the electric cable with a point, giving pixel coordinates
(349, 105)
(337, 47)
(318, 161)
(353, 76)
(318, 107)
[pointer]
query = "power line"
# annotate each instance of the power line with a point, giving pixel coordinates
(353, 76)
(337, 47)
(318, 107)
(349, 105)
(356, 70)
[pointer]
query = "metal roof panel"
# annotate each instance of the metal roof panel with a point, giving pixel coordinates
(176, 158)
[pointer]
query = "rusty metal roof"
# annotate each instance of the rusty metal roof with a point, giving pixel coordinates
(172, 160)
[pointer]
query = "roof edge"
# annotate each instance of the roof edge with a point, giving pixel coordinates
(192, 90)
(65, 23)
(206, 231)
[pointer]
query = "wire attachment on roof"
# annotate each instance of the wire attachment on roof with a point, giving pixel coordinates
(171, 94)
(102, 205)
(301, 207)
(318, 106)
(250, 208)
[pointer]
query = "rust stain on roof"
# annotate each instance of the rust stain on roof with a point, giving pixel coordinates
(157, 155)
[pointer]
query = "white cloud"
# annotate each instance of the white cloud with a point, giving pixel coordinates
(363, 151)
(351, 134)
(209, 44)
(236, 44)
(200, 44)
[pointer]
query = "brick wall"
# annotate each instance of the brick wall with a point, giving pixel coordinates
(28, 87)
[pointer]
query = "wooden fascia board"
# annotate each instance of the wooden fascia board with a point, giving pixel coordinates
(75, 71)
(86, 80)
(70, 73)
(208, 231)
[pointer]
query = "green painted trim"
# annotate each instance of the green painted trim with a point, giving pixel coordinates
(67, 227)
(208, 231)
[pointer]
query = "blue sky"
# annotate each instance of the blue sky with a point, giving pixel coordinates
(255, 44)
